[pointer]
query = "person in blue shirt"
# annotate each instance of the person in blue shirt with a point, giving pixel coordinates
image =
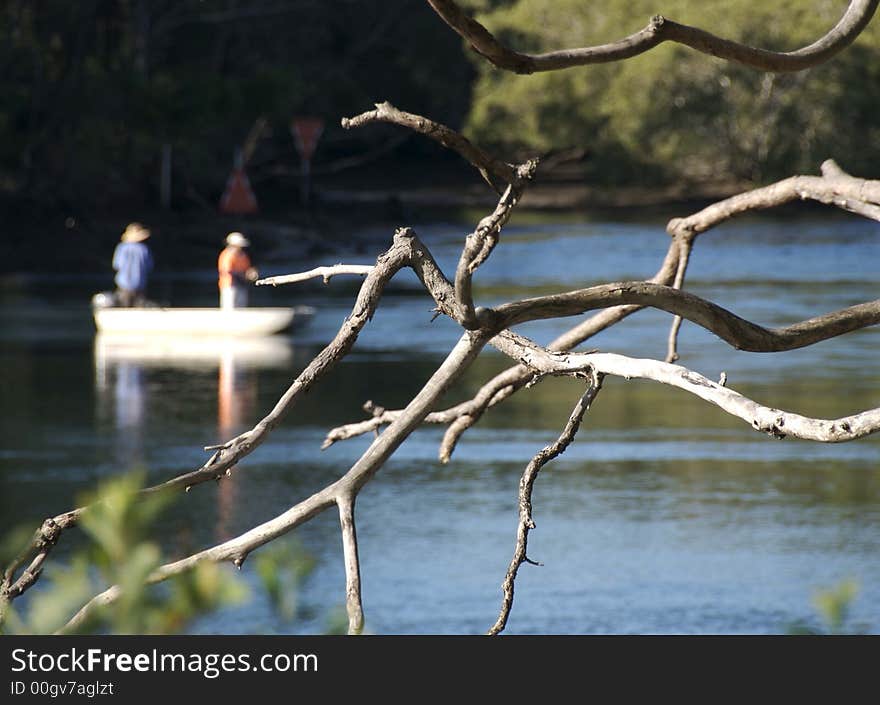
(132, 262)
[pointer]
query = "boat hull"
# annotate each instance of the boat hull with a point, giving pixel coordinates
(199, 322)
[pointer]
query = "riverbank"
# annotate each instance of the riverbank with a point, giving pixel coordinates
(347, 211)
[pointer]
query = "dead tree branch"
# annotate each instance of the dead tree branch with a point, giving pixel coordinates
(526, 483)
(407, 250)
(738, 332)
(341, 492)
(835, 187)
(659, 30)
(511, 380)
(684, 256)
(325, 273)
(483, 325)
(492, 170)
(480, 243)
(353, 603)
(762, 418)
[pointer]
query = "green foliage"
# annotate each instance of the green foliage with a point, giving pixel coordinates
(282, 567)
(118, 523)
(677, 112)
(833, 606)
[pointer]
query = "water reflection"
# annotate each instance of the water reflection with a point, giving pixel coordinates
(129, 411)
(122, 369)
(200, 353)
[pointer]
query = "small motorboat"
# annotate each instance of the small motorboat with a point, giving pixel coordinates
(195, 322)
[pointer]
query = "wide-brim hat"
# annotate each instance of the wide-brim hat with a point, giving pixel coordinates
(135, 232)
(237, 240)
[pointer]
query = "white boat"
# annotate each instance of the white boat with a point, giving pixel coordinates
(199, 322)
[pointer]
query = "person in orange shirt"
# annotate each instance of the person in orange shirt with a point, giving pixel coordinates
(236, 272)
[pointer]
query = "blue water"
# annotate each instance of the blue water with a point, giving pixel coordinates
(664, 516)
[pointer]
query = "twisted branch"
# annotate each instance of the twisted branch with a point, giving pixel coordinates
(492, 170)
(659, 30)
(772, 421)
(737, 332)
(526, 483)
(406, 250)
(835, 187)
(341, 492)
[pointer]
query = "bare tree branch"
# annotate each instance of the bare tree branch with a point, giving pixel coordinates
(684, 249)
(659, 30)
(353, 602)
(490, 168)
(835, 187)
(479, 245)
(762, 418)
(738, 332)
(406, 250)
(526, 483)
(342, 490)
(325, 273)
(466, 414)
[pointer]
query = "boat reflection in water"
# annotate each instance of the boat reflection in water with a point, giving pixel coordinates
(123, 362)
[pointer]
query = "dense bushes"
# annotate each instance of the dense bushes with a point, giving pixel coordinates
(672, 111)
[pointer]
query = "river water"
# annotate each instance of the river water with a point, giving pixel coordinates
(665, 515)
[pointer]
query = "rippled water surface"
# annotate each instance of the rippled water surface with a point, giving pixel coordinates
(665, 515)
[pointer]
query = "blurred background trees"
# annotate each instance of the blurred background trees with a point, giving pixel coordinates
(90, 91)
(673, 113)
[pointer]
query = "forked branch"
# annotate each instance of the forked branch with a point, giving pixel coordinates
(835, 187)
(407, 250)
(341, 493)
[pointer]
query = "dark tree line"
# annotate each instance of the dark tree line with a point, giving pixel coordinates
(90, 91)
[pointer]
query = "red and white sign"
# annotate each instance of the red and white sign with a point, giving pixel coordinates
(306, 132)
(238, 197)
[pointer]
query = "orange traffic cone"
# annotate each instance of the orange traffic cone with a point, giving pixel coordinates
(238, 197)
